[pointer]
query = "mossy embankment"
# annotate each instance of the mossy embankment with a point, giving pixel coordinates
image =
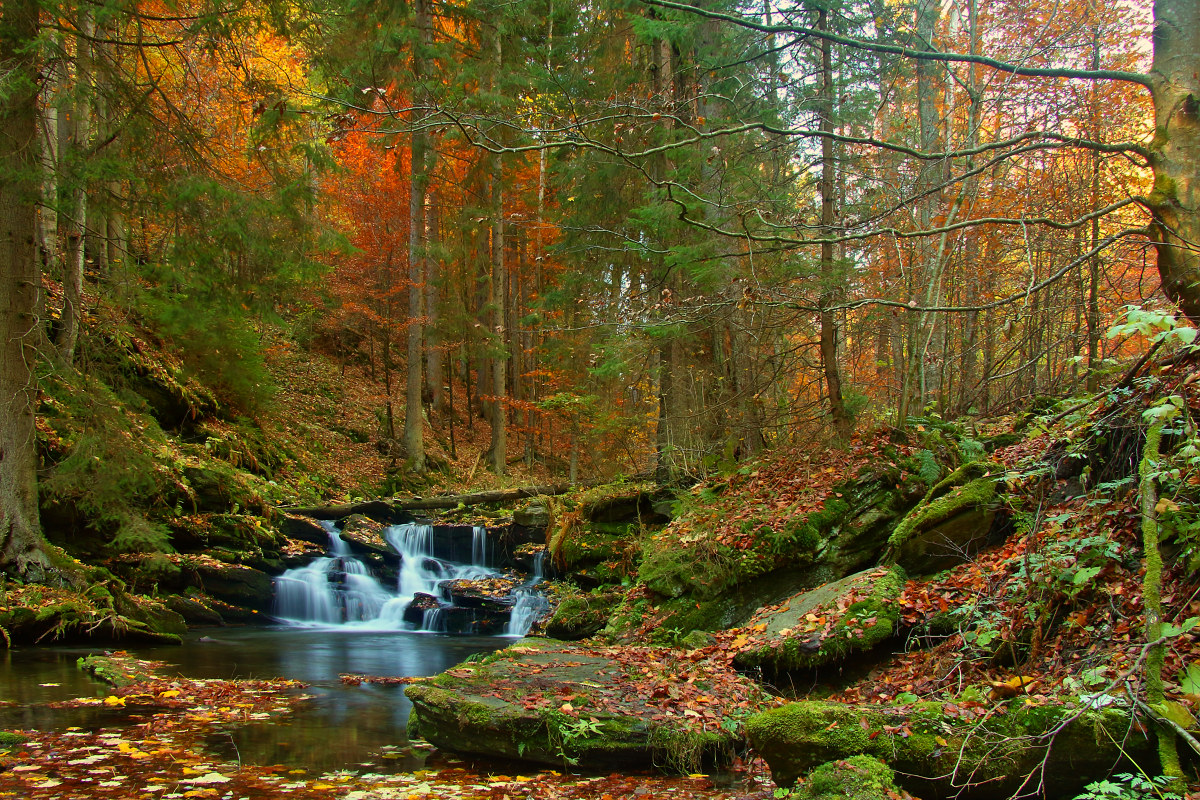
(945, 748)
(159, 480)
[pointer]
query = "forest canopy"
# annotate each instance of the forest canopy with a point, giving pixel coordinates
(626, 236)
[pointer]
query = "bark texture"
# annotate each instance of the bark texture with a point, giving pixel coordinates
(1175, 151)
(21, 551)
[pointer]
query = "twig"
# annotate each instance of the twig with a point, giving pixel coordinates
(1166, 721)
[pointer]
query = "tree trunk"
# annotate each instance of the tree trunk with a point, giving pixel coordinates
(21, 544)
(1175, 151)
(499, 283)
(77, 207)
(435, 357)
(414, 418)
(829, 279)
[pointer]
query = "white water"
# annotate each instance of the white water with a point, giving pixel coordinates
(339, 590)
(331, 590)
(530, 603)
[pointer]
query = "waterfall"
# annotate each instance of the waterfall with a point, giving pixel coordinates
(530, 603)
(331, 590)
(340, 590)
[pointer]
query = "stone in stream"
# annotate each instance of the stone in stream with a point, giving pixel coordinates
(824, 625)
(366, 534)
(588, 707)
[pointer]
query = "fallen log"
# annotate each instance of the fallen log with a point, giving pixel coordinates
(395, 508)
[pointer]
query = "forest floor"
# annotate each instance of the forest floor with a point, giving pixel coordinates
(336, 409)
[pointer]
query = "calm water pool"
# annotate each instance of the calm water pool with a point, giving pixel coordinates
(342, 727)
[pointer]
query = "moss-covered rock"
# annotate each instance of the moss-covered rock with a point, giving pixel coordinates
(590, 708)
(854, 778)
(824, 625)
(115, 671)
(944, 749)
(706, 584)
(534, 514)
(95, 612)
(235, 584)
(303, 528)
(950, 524)
(582, 614)
(598, 553)
(365, 534)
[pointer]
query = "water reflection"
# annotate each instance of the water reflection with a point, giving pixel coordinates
(341, 727)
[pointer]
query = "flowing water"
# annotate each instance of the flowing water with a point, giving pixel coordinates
(530, 603)
(336, 617)
(340, 590)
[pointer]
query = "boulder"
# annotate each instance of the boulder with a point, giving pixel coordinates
(952, 523)
(590, 708)
(823, 625)
(414, 613)
(645, 506)
(853, 778)
(966, 749)
(304, 529)
(535, 514)
(235, 584)
(365, 534)
(581, 615)
(194, 610)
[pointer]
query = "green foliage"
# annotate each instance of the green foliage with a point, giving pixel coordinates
(1130, 786)
(1068, 564)
(111, 468)
(1158, 326)
(218, 348)
(929, 469)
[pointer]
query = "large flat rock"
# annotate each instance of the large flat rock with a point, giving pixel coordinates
(589, 707)
(824, 625)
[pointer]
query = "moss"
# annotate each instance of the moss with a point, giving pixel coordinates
(580, 615)
(116, 672)
(703, 568)
(9, 739)
(864, 624)
(858, 777)
(684, 750)
(927, 746)
(944, 501)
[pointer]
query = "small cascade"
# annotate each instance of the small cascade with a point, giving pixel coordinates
(332, 590)
(340, 590)
(530, 604)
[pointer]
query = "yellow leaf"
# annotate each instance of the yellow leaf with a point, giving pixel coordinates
(1164, 505)
(113, 700)
(940, 740)
(169, 693)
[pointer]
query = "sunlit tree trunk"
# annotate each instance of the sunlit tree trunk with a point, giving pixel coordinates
(1175, 151)
(414, 418)
(21, 548)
